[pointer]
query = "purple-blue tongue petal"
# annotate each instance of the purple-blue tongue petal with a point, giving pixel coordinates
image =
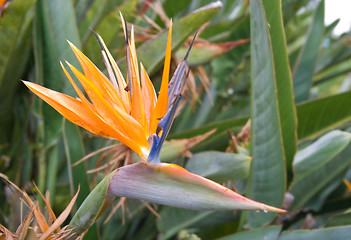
(174, 96)
(165, 124)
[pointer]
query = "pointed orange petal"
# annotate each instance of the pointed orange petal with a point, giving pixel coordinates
(137, 107)
(113, 115)
(97, 77)
(70, 108)
(75, 111)
(90, 88)
(120, 79)
(162, 101)
(80, 94)
(148, 93)
(133, 51)
(88, 106)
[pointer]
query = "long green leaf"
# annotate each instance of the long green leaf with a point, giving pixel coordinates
(306, 63)
(267, 179)
(93, 14)
(316, 203)
(16, 42)
(75, 151)
(10, 32)
(343, 232)
(318, 164)
(219, 126)
(271, 232)
(339, 220)
(318, 116)
(152, 52)
(219, 166)
(178, 219)
(110, 29)
(52, 29)
(89, 211)
(319, 153)
(287, 111)
(331, 112)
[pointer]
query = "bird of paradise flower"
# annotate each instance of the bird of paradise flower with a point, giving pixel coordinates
(128, 110)
(131, 112)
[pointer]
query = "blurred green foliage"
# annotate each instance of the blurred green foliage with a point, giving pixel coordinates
(292, 80)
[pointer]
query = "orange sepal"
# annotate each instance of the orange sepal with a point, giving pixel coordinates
(148, 93)
(162, 101)
(137, 107)
(113, 115)
(98, 78)
(75, 111)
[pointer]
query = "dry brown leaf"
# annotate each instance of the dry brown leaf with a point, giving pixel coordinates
(5, 234)
(244, 135)
(94, 153)
(38, 215)
(61, 218)
(51, 212)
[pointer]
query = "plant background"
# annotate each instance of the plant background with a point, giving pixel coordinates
(292, 80)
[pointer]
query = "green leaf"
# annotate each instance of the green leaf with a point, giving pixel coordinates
(318, 164)
(337, 107)
(52, 29)
(305, 66)
(74, 152)
(205, 52)
(339, 220)
(13, 27)
(287, 111)
(110, 29)
(219, 166)
(152, 53)
(219, 140)
(15, 49)
(227, 30)
(220, 126)
(173, 8)
(93, 14)
(173, 220)
(176, 148)
(336, 53)
(318, 116)
(267, 178)
(319, 153)
(317, 201)
(271, 232)
(332, 72)
(343, 232)
(81, 7)
(89, 211)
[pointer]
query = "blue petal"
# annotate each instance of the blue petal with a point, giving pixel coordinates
(174, 96)
(176, 82)
(164, 125)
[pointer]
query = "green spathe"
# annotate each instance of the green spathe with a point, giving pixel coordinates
(171, 185)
